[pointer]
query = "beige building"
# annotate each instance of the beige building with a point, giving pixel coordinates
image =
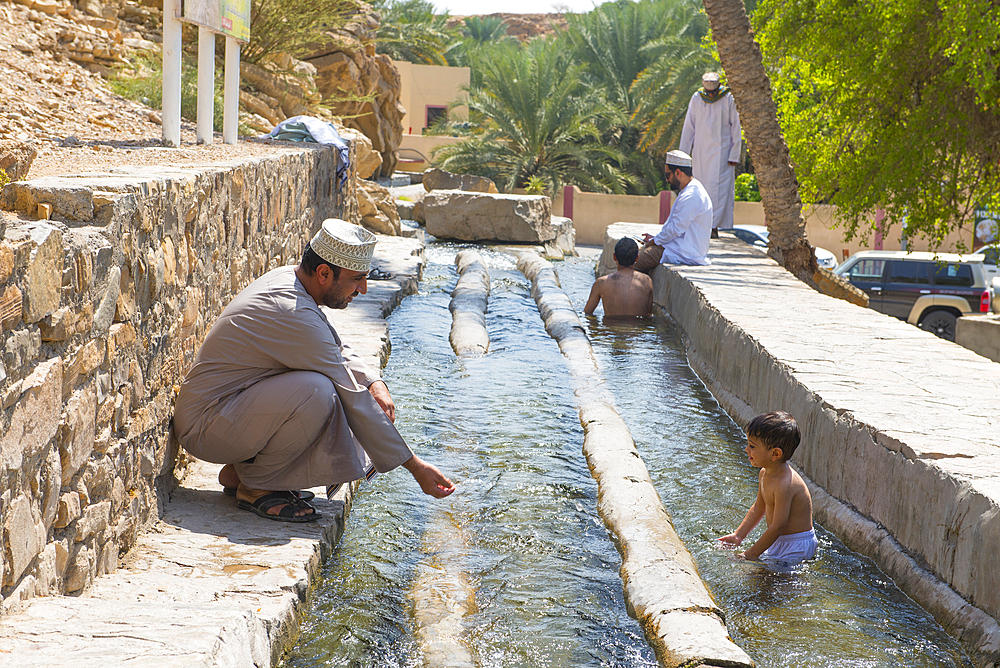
(427, 91)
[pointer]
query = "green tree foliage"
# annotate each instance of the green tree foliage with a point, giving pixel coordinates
(476, 33)
(612, 59)
(889, 104)
(292, 27)
(534, 118)
(746, 188)
(410, 30)
(484, 29)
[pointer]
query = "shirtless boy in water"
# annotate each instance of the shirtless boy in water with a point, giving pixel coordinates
(782, 496)
(626, 292)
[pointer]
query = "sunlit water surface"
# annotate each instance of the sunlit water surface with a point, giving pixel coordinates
(838, 609)
(505, 428)
(547, 591)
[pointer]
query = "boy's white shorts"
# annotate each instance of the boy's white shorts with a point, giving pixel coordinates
(793, 548)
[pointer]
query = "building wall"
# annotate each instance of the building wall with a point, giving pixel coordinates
(429, 85)
(103, 310)
(594, 212)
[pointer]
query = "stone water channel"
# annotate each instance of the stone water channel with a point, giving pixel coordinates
(517, 566)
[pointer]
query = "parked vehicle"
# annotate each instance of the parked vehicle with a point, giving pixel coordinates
(930, 290)
(991, 258)
(756, 235)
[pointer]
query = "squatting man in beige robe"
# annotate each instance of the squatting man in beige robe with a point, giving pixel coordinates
(277, 397)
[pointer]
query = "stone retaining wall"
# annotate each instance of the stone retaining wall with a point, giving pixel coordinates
(102, 310)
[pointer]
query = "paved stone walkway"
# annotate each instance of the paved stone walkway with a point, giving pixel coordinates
(210, 585)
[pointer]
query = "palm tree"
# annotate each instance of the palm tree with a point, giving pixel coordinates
(745, 74)
(662, 90)
(612, 42)
(535, 119)
(410, 30)
(484, 29)
(477, 32)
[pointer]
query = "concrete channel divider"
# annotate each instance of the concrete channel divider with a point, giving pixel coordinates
(210, 585)
(442, 592)
(469, 301)
(443, 596)
(663, 590)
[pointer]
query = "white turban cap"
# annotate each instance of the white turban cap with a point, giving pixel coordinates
(344, 244)
(678, 159)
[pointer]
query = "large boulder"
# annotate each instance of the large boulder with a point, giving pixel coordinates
(366, 159)
(439, 179)
(361, 86)
(377, 209)
(293, 92)
(468, 216)
(16, 158)
(564, 242)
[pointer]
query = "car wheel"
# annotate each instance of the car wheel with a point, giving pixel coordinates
(940, 323)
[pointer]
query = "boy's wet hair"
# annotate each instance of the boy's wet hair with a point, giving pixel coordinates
(626, 251)
(776, 429)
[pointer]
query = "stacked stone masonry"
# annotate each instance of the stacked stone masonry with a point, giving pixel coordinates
(102, 310)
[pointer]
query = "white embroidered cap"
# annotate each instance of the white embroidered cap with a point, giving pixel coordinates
(344, 245)
(678, 159)
(710, 80)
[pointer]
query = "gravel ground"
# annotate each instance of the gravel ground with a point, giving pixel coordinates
(78, 124)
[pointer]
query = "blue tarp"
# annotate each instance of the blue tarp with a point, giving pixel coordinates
(312, 129)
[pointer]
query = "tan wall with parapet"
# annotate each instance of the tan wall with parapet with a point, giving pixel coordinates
(102, 315)
(594, 212)
(424, 85)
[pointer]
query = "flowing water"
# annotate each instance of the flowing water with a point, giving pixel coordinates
(543, 574)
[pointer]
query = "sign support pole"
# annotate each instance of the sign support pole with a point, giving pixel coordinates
(206, 84)
(170, 109)
(231, 101)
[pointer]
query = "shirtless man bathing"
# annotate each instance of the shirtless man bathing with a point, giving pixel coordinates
(626, 292)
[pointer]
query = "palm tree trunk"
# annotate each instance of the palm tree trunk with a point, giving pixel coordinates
(779, 190)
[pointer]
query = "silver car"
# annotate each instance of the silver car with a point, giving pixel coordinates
(756, 235)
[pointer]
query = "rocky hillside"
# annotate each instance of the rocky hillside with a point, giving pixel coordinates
(55, 102)
(51, 88)
(57, 54)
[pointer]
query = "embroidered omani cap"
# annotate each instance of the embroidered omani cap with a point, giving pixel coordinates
(710, 80)
(678, 159)
(345, 245)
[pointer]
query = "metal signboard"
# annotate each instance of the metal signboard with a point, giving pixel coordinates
(223, 17)
(987, 225)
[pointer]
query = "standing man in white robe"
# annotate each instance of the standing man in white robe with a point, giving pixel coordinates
(711, 135)
(277, 397)
(683, 239)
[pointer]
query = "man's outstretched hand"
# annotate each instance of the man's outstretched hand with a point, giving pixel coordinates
(430, 479)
